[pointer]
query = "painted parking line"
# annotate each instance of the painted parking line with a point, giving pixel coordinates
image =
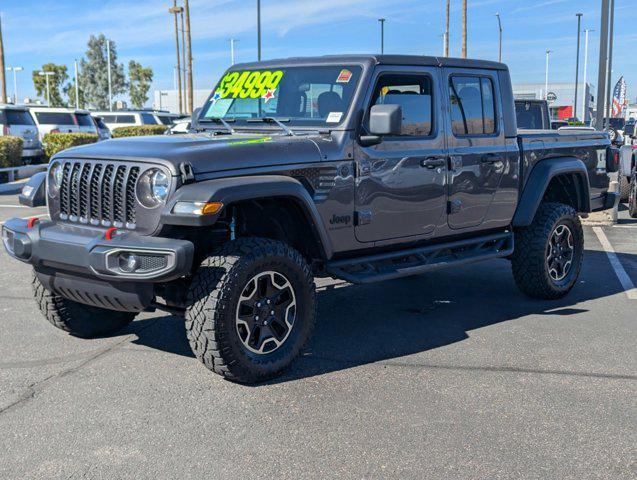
(14, 206)
(624, 279)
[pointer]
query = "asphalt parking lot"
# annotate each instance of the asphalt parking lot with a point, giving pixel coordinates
(454, 374)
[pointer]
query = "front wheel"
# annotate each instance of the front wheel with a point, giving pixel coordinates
(548, 253)
(252, 308)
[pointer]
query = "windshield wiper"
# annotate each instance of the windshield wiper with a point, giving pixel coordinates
(221, 121)
(278, 122)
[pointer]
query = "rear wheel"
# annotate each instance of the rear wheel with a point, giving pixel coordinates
(252, 308)
(80, 320)
(624, 187)
(632, 198)
(548, 253)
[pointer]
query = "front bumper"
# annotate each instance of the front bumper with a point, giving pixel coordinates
(82, 264)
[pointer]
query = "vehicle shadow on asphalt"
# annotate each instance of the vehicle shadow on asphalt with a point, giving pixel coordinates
(362, 324)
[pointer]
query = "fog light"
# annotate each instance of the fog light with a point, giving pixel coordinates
(128, 262)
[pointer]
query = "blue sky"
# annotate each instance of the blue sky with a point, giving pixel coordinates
(41, 31)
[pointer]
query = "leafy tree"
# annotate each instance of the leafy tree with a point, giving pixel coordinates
(55, 82)
(94, 80)
(140, 79)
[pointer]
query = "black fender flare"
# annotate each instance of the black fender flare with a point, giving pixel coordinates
(540, 178)
(37, 196)
(236, 189)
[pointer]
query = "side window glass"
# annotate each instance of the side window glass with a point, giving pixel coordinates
(472, 106)
(414, 94)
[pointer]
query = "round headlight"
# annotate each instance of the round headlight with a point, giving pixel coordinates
(56, 174)
(152, 188)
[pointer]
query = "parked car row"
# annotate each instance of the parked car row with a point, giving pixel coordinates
(32, 123)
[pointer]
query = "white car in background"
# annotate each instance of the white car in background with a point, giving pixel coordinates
(16, 121)
(181, 125)
(133, 118)
(62, 120)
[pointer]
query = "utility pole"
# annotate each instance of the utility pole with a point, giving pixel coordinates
(175, 11)
(464, 28)
(609, 84)
(48, 87)
(77, 87)
(110, 86)
(579, 35)
(188, 58)
(3, 79)
(500, 29)
(15, 82)
(232, 50)
(586, 96)
(546, 81)
(259, 30)
(183, 57)
(447, 28)
(382, 34)
(603, 59)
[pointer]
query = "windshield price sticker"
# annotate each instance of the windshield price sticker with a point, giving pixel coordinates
(344, 77)
(249, 84)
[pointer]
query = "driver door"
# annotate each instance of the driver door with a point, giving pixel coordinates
(401, 183)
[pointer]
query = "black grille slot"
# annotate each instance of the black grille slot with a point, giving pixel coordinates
(100, 193)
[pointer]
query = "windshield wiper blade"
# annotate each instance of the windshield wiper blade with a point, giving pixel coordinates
(278, 122)
(221, 121)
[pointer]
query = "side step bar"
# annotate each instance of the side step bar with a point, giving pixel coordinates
(413, 261)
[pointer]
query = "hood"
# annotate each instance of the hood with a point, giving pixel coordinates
(206, 153)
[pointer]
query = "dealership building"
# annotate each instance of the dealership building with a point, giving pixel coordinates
(561, 98)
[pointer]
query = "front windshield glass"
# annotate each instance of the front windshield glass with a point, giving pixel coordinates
(302, 96)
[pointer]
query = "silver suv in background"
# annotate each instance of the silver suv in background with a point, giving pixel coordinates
(17, 121)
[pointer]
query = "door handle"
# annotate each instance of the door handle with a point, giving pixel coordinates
(491, 158)
(432, 163)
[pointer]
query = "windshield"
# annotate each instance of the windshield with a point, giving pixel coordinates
(302, 96)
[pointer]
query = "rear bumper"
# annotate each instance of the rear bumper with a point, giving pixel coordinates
(605, 202)
(79, 263)
(32, 152)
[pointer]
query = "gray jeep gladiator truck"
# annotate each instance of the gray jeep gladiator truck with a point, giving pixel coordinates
(362, 168)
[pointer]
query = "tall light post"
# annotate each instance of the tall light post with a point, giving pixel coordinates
(15, 82)
(464, 28)
(382, 34)
(586, 97)
(232, 50)
(108, 69)
(175, 10)
(603, 59)
(609, 72)
(500, 31)
(448, 16)
(77, 86)
(546, 81)
(259, 30)
(579, 36)
(188, 59)
(48, 87)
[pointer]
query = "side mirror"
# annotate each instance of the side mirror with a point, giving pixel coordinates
(386, 120)
(193, 119)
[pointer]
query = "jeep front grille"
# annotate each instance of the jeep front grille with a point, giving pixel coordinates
(99, 193)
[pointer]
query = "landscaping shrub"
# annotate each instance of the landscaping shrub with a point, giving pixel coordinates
(56, 142)
(139, 131)
(10, 151)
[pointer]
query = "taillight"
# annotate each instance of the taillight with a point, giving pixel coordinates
(55, 130)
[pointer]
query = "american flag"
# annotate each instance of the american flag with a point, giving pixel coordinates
(619, 98)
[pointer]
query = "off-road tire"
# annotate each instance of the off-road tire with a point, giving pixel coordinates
(80, 320)
(213, 300)
(632, 198)
(624, 187)
(529, 261)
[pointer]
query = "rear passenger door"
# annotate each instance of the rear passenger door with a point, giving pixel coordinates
(477, 146)
(401, 182)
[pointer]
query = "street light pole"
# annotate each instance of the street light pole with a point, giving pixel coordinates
(110, 87)
(586, 96)
(259, 30)
(232, 50)
(603, 58)
(579, 35)
(77, 87)
(175, 10)
(48, 87)
(464, 28)
(500, 30)
(546, 82)
(382, 35)
(447, 28)
(15, 82)
(188, 59)
(609, 85)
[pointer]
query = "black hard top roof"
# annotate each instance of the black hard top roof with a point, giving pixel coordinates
(413, 60)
